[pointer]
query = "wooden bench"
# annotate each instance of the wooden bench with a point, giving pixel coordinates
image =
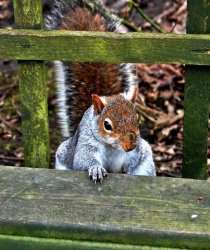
(49, 209)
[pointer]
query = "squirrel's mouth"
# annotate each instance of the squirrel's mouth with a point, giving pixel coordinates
(126, 147)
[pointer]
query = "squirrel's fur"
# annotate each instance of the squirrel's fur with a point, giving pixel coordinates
(99, 120)
(77, 81)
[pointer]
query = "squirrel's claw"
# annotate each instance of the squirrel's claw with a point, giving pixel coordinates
(97, 173)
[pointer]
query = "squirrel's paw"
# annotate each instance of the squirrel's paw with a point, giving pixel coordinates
(97, 173)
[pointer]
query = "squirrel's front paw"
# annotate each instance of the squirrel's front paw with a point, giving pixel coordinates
(97, 173)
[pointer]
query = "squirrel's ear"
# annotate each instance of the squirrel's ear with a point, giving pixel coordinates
(131, 94)
(98, 103)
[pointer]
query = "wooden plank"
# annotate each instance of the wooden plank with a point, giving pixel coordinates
(111, 47)
(33, 92)
(196, 99)
(30, 243)
(28, 14)
(158, 212)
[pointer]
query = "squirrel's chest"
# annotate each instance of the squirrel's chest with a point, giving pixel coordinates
(114, 160)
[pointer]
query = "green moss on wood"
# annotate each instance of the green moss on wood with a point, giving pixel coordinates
(110, 47)
(196, 99)
(28, 14)
(34, 112)
(196, 122)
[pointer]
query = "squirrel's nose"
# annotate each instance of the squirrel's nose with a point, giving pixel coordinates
(128, 142)
(127, 146)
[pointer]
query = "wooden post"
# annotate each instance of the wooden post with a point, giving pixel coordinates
(33, 94)
(196, 98)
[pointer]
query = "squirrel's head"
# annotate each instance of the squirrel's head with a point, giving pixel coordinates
(117, 120)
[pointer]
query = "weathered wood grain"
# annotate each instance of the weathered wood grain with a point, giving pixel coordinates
(33, 92)
(124, 209)
(196, 99)
(111, 47)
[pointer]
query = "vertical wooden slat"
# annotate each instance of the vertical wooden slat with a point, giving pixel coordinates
(196, 98)
(33, 92)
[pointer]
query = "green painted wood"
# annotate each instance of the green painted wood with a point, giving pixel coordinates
(196, 99)
(158, 212)
(29, 243)
(33, 92)
(97, 46)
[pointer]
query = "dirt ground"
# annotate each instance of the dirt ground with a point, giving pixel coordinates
(160, 101)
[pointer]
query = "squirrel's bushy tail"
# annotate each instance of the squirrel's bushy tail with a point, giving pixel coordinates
(54, 11)
(76, 82)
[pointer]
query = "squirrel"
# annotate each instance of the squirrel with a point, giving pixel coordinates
(96, 102)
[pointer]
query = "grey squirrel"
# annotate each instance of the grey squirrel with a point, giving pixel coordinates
(96, 102)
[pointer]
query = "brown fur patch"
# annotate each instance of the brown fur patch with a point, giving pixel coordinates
(92, 78)
(83, 20)
(97, 78)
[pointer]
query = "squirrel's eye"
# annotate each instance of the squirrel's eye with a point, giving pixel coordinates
(107, 126)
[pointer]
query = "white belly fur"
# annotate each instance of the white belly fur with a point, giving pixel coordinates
(113, 160)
